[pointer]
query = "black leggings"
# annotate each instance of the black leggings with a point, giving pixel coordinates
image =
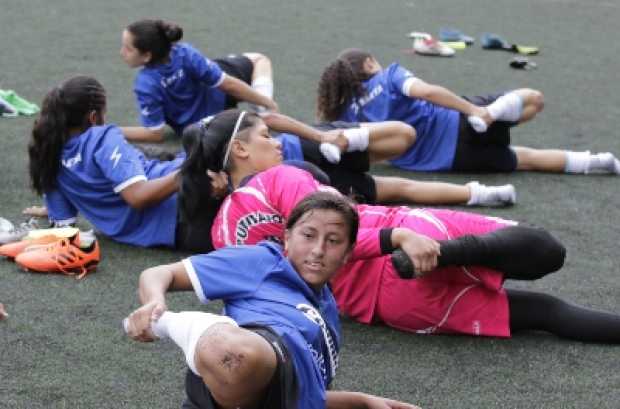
(542, 312)
(520, 252)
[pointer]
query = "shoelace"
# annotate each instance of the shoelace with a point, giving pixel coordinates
(67, 256)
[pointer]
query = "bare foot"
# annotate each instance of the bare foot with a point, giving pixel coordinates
(35, 211)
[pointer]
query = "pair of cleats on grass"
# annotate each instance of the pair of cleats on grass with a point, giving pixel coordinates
(59, 250)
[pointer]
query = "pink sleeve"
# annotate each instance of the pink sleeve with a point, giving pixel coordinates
(368, 244)
(286, 186)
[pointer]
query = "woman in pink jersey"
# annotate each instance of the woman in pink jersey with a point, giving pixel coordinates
(448, 298)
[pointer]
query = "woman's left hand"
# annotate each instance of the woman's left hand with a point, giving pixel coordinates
(335, 137)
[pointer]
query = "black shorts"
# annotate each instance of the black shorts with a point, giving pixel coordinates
(238, 66)
(282, 392)
(488, 151)
(350, 176)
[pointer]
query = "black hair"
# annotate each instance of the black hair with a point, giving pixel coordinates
(340, 82)
(205, 144)
(156, 37)
(65, 107)
(327, 201)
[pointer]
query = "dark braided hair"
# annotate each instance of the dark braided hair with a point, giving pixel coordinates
(65, 107)
(205, 144)
(340, 83)
(156, 37)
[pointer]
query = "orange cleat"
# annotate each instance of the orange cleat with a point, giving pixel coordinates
(11, 250)
(63, 256)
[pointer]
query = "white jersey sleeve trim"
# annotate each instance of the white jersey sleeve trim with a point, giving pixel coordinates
(128, 182)
(193, 277)
(407, 84)
(220, 81)
(64, 222)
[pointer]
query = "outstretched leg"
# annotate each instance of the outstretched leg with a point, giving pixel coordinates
(560, 161)
(401, 190)
(542, 312)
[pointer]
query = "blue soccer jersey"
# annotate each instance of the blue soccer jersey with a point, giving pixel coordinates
(180, 92)
(436, 127)
(259, 286)
(95, 167)
(291, 146)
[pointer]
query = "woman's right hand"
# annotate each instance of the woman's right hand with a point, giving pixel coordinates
(138, 323)
(423, 251)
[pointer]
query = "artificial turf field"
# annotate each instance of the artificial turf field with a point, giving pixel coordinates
(62, 346)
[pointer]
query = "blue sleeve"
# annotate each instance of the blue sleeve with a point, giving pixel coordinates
(203, 69)
(59, 209)
(397, 75)
(149, 101)
(118, 160)
(230, 272)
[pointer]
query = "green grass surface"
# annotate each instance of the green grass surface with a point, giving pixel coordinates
(62, 345)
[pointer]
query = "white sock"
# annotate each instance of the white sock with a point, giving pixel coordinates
(358, 139)
(482, 195)
(330, 151)
(605, 161)
(577, 162)
(508, 107)
(263, 85)
(185, 329)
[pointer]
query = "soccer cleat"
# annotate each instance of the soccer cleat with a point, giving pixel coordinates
(11, 250)
(18, 233)
(431, 47)
(64, 256)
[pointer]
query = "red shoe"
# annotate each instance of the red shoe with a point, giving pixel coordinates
(64, 256)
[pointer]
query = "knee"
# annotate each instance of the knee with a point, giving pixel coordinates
(258, 58)
(550, 252)
(533, 98)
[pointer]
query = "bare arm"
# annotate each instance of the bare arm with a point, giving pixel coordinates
(147, 193)
(153, 285)
(142, 134)
(357, 400)
(283, 123)
(244, 92)
(442, 96)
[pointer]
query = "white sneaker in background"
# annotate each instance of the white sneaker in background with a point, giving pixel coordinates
(430, 46)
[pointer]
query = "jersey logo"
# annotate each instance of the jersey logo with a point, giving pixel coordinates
(315, 316)
(115, 157)
(167, 81)
(145, 111)
(70, 162)
(242, 230)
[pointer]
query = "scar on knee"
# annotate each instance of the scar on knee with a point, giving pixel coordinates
(231, 361)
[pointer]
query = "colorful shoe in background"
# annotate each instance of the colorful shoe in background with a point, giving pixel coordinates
(18, 233)
(452, 35)
(18, 103)
(490, 41)
(37, 238)
(67, 256)
(432, 47)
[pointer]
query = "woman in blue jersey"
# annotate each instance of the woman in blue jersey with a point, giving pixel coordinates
(279, 345)
(82, 165)
(453, 133)
(176, 85)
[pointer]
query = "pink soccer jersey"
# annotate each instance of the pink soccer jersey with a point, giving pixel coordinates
(449, 300)
(258, 211)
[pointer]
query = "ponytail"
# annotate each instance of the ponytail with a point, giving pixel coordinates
(63, 108)
(205, 144)
(340, 83)
(156, 37)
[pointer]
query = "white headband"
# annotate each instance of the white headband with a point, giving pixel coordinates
(232, 137)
